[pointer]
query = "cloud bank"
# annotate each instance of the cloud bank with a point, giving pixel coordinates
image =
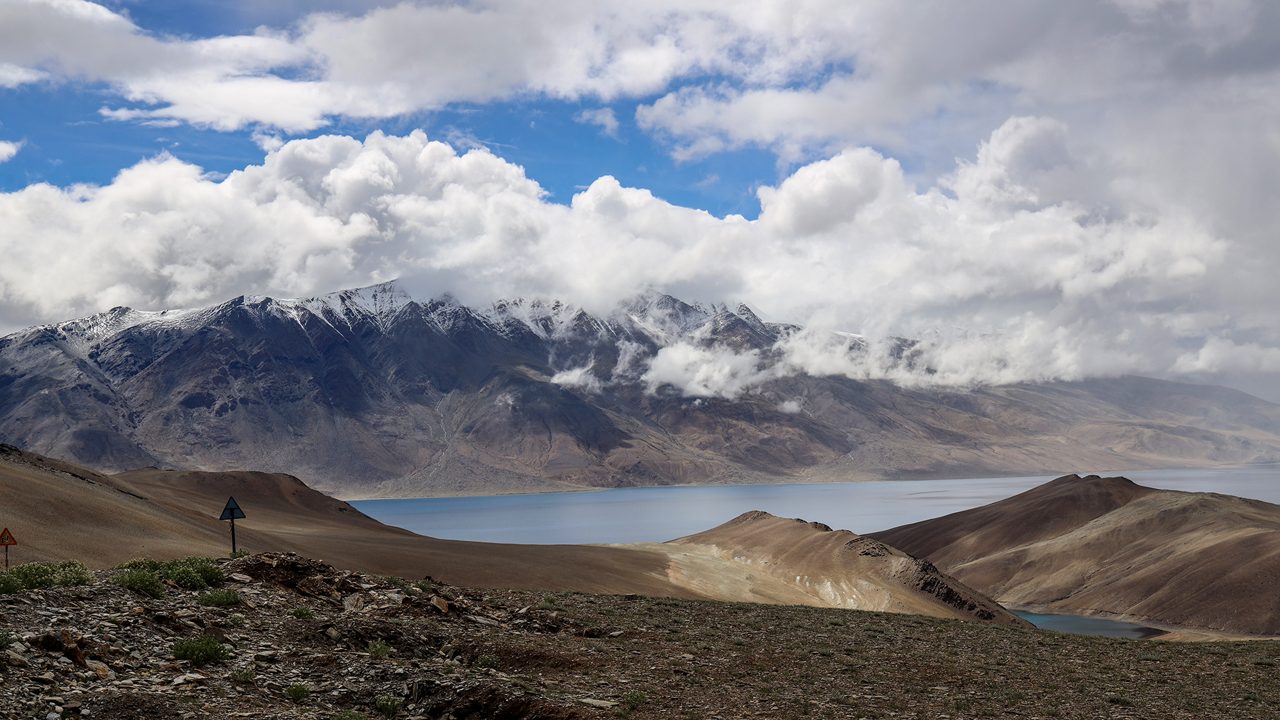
(1115, 218)
(1002, 272)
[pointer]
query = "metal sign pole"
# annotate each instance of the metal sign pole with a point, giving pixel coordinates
(231, 512)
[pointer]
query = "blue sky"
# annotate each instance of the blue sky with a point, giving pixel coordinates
(1050, 190)
(66, 141)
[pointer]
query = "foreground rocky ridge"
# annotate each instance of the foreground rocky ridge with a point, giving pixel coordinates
(372, 392)
(371, 647)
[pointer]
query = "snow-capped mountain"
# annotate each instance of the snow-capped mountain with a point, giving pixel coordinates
(375, 392)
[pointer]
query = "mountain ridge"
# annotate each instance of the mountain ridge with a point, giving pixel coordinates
(372, 393)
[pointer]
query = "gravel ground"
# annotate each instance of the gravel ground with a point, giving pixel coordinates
(308, 641)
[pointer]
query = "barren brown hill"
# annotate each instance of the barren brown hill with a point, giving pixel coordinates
(60, 511)
(1107, 546)
(807, 563)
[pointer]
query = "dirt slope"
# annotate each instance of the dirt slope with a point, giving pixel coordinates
(1097, 545)
(758, 556)
(59, 511)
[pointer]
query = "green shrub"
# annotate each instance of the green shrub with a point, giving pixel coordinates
(143, 582)
(220, 598)
(244, 675)
(487, 661)
(297, 693)
(185, 578)
(35, 575)
(9, 584)
(302, 613)
(72, 573)
(154, 566)
(349, 715)
(6, 638)
(387, 705)
(207, 569)
(379, 649)
(201, 651)
(193, 573)
(633, 700)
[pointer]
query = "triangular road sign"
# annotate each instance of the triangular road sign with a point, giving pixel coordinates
(232, 511)
(6, 538)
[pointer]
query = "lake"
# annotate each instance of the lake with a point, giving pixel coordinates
(655, 514)
(1082, 625)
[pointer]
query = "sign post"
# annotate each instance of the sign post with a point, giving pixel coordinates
(231, 512)
(7, 539)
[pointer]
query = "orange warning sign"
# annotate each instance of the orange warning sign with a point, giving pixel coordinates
(6, 538)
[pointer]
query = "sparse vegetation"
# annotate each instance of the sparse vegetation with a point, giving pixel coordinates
(632, 701)
(143, 582)
(38, 575)
(204, 650)
(674, 659)
(303, 613)
(193, 573)
(395, 581)
(220, 598)
(388, 706)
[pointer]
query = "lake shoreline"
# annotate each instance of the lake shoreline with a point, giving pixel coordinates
(789, 482)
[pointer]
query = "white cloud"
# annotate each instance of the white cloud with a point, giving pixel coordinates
(1005, 273)
(580, 378)
(705, 372)
(8, 150)
(791, 407)
(12, 76)
(1220, 354)
(602, 118)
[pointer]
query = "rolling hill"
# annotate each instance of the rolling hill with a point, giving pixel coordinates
(60, 511)
(1107, 546)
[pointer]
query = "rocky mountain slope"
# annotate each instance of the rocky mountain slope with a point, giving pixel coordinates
(298, 639)
(372, 392)
(59, 512)
(1097, 545)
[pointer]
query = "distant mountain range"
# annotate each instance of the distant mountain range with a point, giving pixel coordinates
(372, 392)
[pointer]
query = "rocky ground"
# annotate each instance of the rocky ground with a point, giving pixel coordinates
(307, 641)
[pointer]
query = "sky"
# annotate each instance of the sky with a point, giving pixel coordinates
(1035, 190)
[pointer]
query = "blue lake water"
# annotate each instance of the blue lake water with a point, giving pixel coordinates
(1081, 625)
(630, 515)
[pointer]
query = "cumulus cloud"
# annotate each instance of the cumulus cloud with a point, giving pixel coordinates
(602, 118)
(8, 150)
(705, 371)
(1004, 272)
(1220, 354)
